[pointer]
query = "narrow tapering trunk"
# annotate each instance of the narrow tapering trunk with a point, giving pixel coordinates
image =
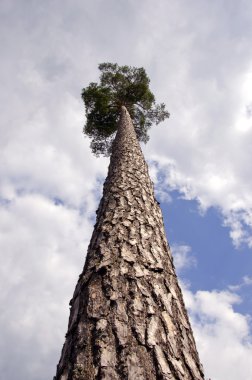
(128, 319)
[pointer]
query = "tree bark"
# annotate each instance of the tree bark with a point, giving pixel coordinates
(128, 319)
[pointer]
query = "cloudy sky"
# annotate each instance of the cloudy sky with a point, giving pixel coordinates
(198, 55)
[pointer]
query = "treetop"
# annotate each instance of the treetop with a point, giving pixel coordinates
(119, 86)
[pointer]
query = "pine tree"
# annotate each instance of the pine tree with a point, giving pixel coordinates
(128, 319)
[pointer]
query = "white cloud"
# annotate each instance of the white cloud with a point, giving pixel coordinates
(205, 80)
(160, 187)
(198, 57)
(246, 281)
(199, 63)
(183, 258)
(43, 247)
(223, 336)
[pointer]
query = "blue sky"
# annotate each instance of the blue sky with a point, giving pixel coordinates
(216, 264)
(199, 58)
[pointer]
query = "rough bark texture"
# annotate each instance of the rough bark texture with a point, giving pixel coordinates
(128, 319)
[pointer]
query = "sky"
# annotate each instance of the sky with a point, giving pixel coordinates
(198, 56)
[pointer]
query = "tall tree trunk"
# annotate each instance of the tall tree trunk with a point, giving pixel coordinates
(128, 319)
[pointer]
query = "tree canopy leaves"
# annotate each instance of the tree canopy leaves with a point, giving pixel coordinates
(119, 85)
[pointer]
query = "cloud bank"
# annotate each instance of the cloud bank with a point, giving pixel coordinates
(200, 62)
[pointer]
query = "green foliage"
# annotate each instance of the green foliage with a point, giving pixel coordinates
(119, 86)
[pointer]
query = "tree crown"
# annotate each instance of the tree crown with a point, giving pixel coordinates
(119, 85)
